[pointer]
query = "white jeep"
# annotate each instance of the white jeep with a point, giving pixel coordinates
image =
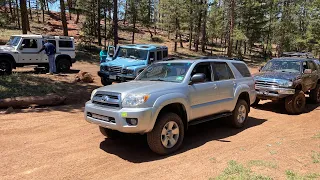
(22, 50)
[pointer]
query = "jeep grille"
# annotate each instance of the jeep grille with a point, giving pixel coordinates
(115, 69)
(112, 100)
(266, 84)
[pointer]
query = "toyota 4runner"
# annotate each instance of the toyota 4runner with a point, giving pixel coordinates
(22, 50)
(289, 79)
(167, 97)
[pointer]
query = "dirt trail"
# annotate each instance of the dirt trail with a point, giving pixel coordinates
(57, 143)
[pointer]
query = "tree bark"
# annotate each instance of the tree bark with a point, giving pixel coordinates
(77, 17)
(176, 36)
(115, 22)
(230, 40)
(63, 18)
(105, 27)
(18, 15)
(30, 9)
(47, 2)
(99, 21)
(24, 16)
(11, 12)
(70, 7)
(125, 13)
(204, 27)
(190, 25)
(42, 8)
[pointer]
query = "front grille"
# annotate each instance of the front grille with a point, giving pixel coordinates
(115, 69)
(112, 100)
(101, 117)
(266, 84)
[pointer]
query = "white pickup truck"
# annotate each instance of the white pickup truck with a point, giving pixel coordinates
(22, 50)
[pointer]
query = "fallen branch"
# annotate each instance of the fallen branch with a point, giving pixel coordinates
(48, 100)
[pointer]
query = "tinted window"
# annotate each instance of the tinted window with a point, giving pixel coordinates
(53, 42)
(242, 68)
(159, 55)
(203, 68)
(30, 43)
(165, 53)
(65, 44)
(222, 71)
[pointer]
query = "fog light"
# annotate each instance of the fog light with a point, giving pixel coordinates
(89, 114)
(132, 121)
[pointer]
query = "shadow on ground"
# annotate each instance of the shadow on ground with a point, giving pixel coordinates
(279, 107)
(134, 148)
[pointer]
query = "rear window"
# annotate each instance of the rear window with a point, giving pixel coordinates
(242, 68)
(159, 55)
(53, 42)
(65, 44)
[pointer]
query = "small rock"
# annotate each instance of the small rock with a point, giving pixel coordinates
(9, 110)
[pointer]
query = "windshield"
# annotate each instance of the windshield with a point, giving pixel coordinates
(132, 53)
(282, 66)
(14, 40)
(168, 72)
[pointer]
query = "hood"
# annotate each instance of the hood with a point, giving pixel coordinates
(125, 62)
(6, 48)
(277, 75)
(141, 87)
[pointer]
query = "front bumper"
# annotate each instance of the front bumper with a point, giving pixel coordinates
(144, 116)
(274, 93)
(115, 76)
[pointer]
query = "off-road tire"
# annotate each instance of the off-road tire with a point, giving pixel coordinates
(234, 119)
(315, 95)
(5, 66)
(295, 104)
(256, 102)
(154, 137)
(109, 133)
(63, 65)
(105, 82)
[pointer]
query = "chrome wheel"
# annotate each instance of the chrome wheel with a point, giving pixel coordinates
(170, 134)
(242, 114)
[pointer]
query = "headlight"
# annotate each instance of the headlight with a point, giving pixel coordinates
(285, 83)
(134, 100)
(93, 93)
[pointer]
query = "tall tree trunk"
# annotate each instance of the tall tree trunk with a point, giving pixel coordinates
(230, 40)
(47, 2)
(42, 8)
(190, 25)
(18, 15)
(11, 12)
(99, 22)
(30, 9)
(77, 17)
(176, 36)
(70, 7)
(24, 16)
(37, 12)
(134, 28)
(204, 27)
(125, 13)
(115, 22)
(63, 18)
(180, 38)
(105, 27)
(197, 38)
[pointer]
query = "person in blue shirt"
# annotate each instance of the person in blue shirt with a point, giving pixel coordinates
(50, 50)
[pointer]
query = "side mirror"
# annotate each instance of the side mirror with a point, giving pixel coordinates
(197, 78)
(260, 68)
(21, 47)
(111, 51)
(151, 60)
(307, 71)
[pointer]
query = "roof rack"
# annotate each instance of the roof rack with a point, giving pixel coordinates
(218, 57)
(298, 54)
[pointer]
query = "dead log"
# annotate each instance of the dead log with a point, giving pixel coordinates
(21, 102)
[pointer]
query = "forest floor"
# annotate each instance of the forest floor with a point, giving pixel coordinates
(57, 143)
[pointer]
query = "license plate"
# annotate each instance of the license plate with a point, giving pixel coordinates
(113, 77)
(104, 118)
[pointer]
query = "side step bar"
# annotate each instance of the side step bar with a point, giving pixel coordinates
(209, 118)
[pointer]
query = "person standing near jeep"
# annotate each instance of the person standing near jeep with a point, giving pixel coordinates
(50, 51)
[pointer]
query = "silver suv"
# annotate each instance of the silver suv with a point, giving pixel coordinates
(167, 97)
